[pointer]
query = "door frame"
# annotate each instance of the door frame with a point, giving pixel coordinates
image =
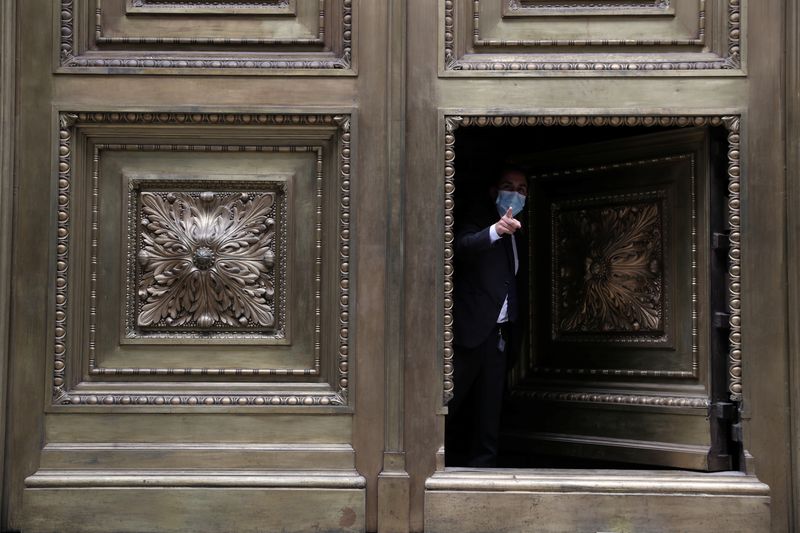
(792, 65)
(7, 136)
(451, 119)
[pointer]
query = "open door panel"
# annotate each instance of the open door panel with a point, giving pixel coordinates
(621, 363)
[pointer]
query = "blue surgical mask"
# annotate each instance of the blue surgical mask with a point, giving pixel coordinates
(512, 199)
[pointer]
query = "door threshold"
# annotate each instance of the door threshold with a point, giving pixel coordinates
(596, 480)
(472, 500)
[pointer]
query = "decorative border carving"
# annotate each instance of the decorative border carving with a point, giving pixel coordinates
(734, 259)
(68, 123)
(344, 253)
(451, 123)
(450, 61)
(731, 123)
(100, 38)
(212, 3)
(71, 60)
(66, 132)
(613, 399)
(477, 40)
(200, 399)
(730, 60)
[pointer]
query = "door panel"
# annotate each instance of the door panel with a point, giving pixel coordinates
(198, 37)
(544, 38)
(142, 318)
(189, 274)
(639, 419)
(188, 279)
(619, 353)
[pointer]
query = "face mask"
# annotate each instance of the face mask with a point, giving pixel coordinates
(512, 199)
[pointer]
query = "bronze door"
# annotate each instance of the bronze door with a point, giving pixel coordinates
(186, 308)
(625, 361)
(227, 238)
(599, 403)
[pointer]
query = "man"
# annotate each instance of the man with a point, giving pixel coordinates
(486, 308)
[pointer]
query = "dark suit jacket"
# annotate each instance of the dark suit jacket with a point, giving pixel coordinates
(484, 273)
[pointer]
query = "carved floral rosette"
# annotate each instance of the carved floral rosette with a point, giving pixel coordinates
(206, 256)
(609, 280)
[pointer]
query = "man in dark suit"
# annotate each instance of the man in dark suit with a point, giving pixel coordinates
(486, 308)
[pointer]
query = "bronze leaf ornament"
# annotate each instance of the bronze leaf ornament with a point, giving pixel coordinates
(206, 259)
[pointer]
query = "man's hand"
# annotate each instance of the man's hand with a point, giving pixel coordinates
(507, 224)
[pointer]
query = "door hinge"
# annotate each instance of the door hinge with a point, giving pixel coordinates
(727, 412)
(720, 241)
(722, 410)
(725, 435)
(721, 320)
(736, 432)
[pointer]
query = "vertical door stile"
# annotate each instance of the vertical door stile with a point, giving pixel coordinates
(8, 91)
(393, 481)
(793, 238)
(766, 341)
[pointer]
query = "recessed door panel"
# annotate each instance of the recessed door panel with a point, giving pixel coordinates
(545, 38)
(202, 37)
(181, 270)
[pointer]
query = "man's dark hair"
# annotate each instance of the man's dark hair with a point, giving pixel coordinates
(509, 168)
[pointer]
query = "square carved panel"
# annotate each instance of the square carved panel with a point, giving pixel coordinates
(558, 37)
(206, 258)
(610, 279)
(205, 37)
(209, 266)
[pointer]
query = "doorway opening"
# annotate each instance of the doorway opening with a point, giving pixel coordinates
(625, 350)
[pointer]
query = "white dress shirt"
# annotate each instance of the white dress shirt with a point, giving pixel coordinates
(503, 316)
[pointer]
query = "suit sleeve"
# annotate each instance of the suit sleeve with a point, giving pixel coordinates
(473, 240)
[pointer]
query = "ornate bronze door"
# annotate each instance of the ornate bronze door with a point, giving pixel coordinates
(226, 247)
(626, 362)
(632, 119)
(186, 306)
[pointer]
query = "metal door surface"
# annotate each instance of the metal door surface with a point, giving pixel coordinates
(187, 319)
(595, 411)
(227, 254)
